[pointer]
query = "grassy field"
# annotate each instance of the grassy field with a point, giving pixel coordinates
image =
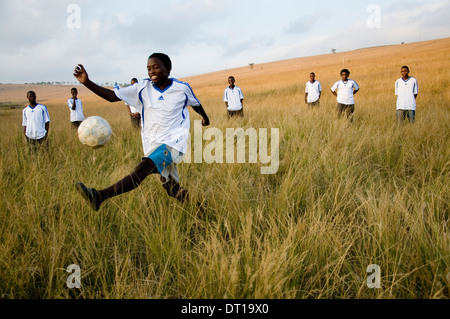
(344, 197)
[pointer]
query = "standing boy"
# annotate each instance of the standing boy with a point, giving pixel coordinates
(346, 89)
(76, 109)
(165, 127)
(135, 113)
(234, 99)
(406, 89)
(35, 121)
(313, 91)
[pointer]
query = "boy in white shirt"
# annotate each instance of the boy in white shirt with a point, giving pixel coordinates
(346, 89)
(406, 89)
(35, 121)
(234, 99)
(135, 113)
(165, 127)
(76, 109)
(313, 90)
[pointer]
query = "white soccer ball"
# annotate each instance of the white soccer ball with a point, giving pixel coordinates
(94, 131)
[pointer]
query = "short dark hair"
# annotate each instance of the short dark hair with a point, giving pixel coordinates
(231, 77)
(312, 73)
(405, 67)
(31, 92)
(134, 79)
(73, 89)
(164, 59)
(346, 71)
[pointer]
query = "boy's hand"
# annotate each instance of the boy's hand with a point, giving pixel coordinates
(205, 121)
(81, 74)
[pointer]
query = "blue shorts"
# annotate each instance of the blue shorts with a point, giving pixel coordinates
(164, 162)
(161, 157)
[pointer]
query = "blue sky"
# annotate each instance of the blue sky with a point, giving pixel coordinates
(113, 39)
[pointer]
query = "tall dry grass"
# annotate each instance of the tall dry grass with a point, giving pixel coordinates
(344, 197)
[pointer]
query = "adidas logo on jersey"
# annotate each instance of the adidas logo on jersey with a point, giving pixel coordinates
(161, 98)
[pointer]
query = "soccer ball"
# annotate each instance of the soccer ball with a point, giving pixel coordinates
(94, 131)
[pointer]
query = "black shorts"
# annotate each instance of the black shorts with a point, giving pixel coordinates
(35, 142)
(236, 113)
(75, 124)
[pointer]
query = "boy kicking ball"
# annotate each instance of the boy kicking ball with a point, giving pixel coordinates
(165, 127)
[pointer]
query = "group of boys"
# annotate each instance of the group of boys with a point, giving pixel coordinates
(164, 119)
(36, 120)
(406, 90)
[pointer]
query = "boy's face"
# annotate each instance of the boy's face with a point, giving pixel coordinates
(74, 92)
(157, 71)
(312, 76)
(344, 76)
(405, 72)
(31, 98)
(231, 81)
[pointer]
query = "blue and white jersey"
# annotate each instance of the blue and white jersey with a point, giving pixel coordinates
(345, 91)
(405, 91)
(164, 114)
(34, 119)
(233, 96)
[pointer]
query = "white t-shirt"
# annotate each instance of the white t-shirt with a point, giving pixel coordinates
(233, 97)
(345, 91)
(405, 91)
(313, 90)
(34, 119)
(77, 114)
(164, 114)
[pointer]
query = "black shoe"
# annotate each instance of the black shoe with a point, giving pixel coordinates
(90, 194)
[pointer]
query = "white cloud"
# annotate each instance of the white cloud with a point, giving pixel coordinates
(306, 23)
(200, 36)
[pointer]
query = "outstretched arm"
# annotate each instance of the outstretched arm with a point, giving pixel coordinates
(82, 76)
(199, 109)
